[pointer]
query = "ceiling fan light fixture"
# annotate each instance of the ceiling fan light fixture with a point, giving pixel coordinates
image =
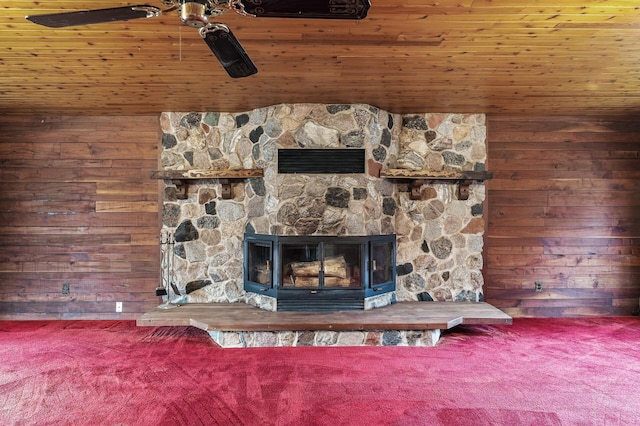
(194, 13)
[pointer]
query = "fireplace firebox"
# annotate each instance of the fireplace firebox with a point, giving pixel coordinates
(319, 273)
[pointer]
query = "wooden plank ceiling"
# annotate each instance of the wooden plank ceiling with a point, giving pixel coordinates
(498, 57)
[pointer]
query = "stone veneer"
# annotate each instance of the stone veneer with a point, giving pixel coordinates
(439, 238)
(259, 339)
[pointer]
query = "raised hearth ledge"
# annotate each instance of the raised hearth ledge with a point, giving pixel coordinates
(400, 324)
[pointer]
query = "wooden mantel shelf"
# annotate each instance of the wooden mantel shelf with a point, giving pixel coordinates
(431, 175)
(207, 174)
(181, 178)
(420, 177)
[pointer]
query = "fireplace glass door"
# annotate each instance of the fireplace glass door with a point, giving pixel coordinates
(342, 265)
(319, 273)
(323, 265)
(259, 264)
(301, 265)
(381, 263)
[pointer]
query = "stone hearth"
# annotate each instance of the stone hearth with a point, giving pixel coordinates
(238, 325)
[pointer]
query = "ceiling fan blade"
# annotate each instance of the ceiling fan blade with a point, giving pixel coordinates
(96, 16)
(228, 50)
(321, 9)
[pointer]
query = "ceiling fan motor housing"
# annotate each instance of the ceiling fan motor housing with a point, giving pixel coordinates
(193, 13)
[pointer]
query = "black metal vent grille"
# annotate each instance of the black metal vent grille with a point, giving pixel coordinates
(321, 161)
(321, 305)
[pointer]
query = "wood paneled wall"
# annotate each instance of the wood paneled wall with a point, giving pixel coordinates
(563, 210)
(78, 210)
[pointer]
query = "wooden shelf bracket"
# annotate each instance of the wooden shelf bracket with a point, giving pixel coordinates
(182, 178)
(417, 178)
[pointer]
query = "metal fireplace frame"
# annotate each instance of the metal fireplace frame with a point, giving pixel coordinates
(320, 298)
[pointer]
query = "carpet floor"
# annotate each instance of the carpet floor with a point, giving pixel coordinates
(582, 371)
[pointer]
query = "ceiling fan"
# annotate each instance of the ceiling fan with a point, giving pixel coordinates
(198, 13)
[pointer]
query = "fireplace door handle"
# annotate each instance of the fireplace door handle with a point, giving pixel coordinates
(268, 265)
(374, 265)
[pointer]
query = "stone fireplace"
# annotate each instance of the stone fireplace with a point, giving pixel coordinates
(438, 235)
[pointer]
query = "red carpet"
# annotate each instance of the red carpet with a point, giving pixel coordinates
(536, 372)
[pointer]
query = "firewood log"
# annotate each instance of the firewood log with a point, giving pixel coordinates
(313, 282)
(333, 267)
(306, 281)
(336, 282)
(263, 277)
(306, 269)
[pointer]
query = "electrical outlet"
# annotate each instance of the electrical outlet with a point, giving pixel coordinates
(118, 306)
(65, 288)
(538, 287)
